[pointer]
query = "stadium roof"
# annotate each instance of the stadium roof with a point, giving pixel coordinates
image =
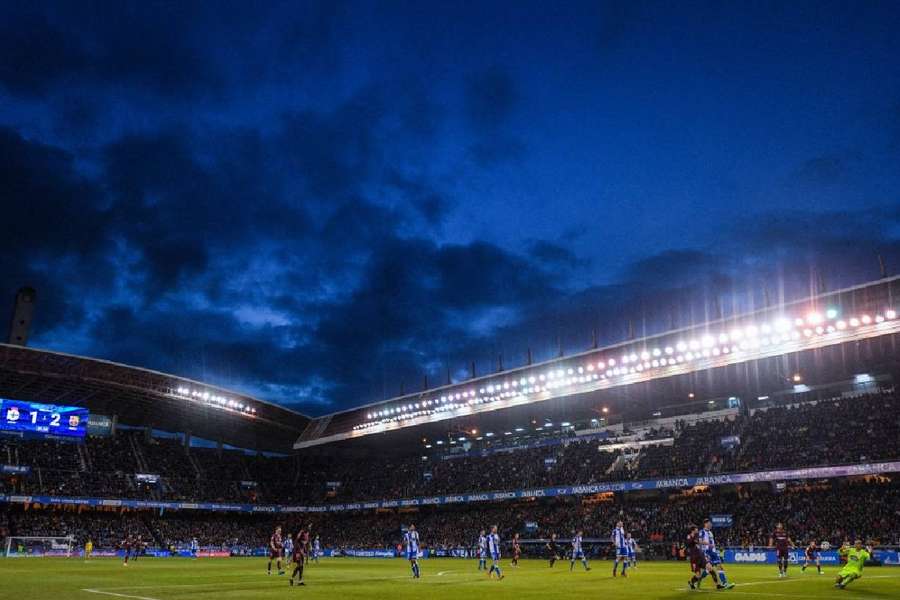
(744, 349)
(144, 397)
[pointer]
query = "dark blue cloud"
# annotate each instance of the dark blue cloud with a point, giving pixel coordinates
(286, 200)
(150, 45)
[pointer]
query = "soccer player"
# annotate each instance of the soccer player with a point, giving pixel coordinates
(578, 552)
(88, 549)
(275, 548)
(493, 541)
(303, 536)
(708, 544)
(288, 548)
(517, 550)
(856, 560)
(811, 556)
(482, 551)
(621, 548)
(316, 549)
(195, 547)
(631, 545)
(700, 566)
(411, 538)
(126, 546)
(782, 543)
(553, 549)
(298, 558)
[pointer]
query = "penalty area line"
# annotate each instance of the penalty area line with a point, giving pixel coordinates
(90, 591)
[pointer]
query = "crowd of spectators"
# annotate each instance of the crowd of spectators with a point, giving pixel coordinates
(105, 528)
(810, 512)
(836, 432)
(839, 431)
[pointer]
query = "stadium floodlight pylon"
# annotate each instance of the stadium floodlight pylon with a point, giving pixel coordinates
(39, 546)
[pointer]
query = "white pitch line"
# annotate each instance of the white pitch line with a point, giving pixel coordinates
(779, 581)
(118, 595)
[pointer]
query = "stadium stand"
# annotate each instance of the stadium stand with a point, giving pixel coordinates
(810, 512)
(786, 436)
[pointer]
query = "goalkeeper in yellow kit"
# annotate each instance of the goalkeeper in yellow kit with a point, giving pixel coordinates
(856, 556)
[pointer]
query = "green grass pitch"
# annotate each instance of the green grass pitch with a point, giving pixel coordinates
(345, 579)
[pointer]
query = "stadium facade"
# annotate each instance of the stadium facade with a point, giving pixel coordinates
(793, 348)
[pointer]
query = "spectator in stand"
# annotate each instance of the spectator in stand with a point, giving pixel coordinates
(778, 437)
(808, 512)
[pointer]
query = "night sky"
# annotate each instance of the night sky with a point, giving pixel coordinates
(322, 203)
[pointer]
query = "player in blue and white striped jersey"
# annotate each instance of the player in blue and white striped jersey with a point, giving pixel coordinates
(620, 545)
(482, 550)
(493, 547)
(411, 539)
(631, 544)
(708, 546)
(578, 551)
(316, 549)
(288, 548)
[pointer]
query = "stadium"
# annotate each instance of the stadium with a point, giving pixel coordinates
(783, 415)
(449, 300)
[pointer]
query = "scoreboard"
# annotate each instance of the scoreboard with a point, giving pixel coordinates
(39, 420)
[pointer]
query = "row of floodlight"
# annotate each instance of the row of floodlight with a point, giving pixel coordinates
(750, 337)
(215, 400)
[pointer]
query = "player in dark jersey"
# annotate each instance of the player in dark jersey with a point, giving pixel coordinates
(275, 550)
(698, 559)
(517, 550)
(782, 543)
(553, 549)
(811, 556)
(304, 536)
(300, 543)
(126, 548)
(308, 538)
(137, 548)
